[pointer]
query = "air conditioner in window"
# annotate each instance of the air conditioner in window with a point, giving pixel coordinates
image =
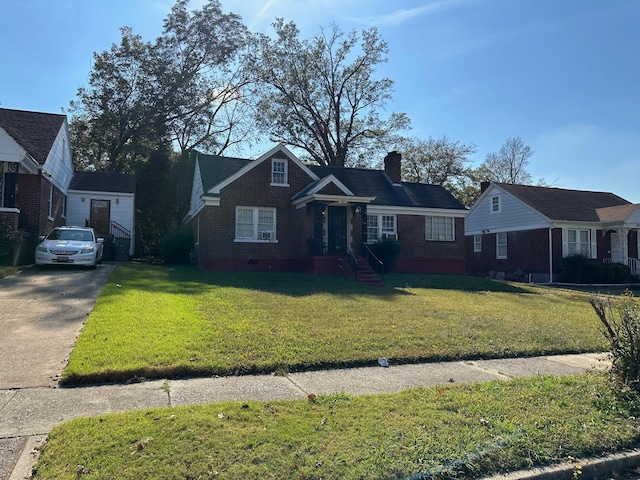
(389, 236)
(265, 235)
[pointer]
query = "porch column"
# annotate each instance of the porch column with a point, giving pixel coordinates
(318, 208)
(363, 225)
(620, 245)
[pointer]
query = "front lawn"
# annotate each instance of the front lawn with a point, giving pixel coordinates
(462, 431)
(163, 322)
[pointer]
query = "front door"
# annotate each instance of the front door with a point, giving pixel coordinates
(100, 216)
(337, 230)
(10, 188)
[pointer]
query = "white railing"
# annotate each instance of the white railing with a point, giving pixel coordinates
(634, 265)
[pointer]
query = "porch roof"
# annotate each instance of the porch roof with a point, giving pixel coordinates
(618, 213)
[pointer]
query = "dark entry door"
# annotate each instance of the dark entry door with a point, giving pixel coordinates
(10, 189)
(100, 216)
(337, 230)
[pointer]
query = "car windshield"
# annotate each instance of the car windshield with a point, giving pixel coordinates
(77, 235)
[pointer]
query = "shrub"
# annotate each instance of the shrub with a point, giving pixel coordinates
(573, 268)
(176, 246)
(8, 238)
(580, 269)
(621, 320)
(387, 252)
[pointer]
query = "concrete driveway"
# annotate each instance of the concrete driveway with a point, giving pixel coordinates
(42, 311)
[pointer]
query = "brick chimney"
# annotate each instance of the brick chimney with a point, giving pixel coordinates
(392, 166)
(484, 186)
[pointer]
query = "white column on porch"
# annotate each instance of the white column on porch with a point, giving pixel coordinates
(620, 245)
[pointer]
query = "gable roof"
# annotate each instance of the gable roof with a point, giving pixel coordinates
(214, 169)
(103, 182)
(376, 183)
(34, 131)
(373, 186)
(563, 204)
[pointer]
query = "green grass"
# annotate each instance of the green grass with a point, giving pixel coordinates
(464, 430)
(6, 271)
(164, 322)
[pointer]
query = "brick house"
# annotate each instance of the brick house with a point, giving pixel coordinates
(277, 213)
(529, 229)
(35, 171)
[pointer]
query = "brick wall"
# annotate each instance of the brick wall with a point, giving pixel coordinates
(33, 202)
(419, 255)
(526, 250)
(294, 227)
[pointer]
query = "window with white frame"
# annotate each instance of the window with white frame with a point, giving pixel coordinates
(495, 204)
(64, 206)
(279, 172)
(440, 229)
(579, 242)
(477, 243)
(501, 245)
(381, 227)
(255, 224)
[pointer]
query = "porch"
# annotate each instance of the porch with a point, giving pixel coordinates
(625, 247)
(338, 244)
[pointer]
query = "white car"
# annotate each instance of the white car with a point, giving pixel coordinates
(70, 245)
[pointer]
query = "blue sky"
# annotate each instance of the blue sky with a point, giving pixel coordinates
(562, 74)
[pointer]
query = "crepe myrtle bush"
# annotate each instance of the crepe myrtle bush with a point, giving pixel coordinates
(621, 320)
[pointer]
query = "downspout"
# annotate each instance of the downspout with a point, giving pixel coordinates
(550, 255)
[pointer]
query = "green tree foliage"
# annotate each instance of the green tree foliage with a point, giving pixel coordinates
(144, 99)
(438, 161)
(200, 77)
(185, 87)
(320, 94)
(114, 119)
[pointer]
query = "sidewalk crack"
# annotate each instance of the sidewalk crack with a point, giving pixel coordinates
(11, 397)
(295, 384)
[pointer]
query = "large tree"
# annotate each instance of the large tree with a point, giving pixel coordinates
(509, 164)
(183, 89)
(320, 94)
(200, 77)
(113, 118)
(439, 161)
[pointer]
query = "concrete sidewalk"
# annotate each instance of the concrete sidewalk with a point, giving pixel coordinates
(28, 414)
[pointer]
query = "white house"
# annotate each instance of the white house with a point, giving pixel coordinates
(106, 202)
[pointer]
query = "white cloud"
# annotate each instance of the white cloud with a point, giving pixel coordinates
(400, 16)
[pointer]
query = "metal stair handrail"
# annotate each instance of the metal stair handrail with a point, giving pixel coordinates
(353, 262)
(117, 228)
(372, 255)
